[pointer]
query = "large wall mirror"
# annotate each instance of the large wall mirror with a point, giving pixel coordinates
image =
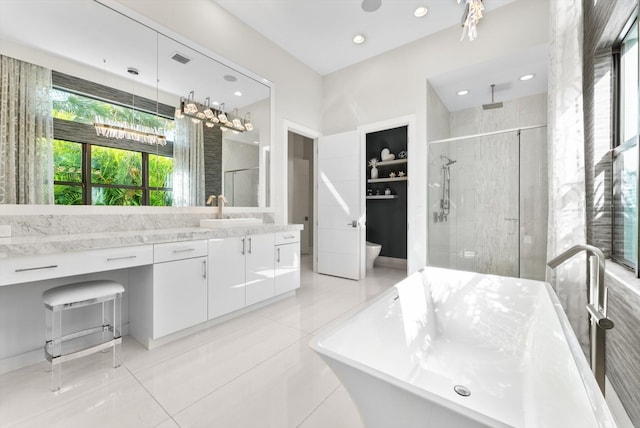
(108, 69)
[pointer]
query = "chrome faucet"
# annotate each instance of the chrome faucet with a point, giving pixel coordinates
(221, 201)
(597, 307)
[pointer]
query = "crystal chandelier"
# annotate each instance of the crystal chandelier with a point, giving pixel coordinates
(212, 115)
(470, 18)
(128, 131)
(123, 130)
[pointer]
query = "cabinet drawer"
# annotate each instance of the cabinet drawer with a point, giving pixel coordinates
(179, 251)
(36, 268)
(118, 258)
(287, 237)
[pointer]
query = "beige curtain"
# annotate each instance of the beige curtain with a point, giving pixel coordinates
(188, 164)
(26, 133)
(567, 200)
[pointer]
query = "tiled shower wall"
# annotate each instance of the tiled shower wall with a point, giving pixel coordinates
(603, 22)
(489, 229)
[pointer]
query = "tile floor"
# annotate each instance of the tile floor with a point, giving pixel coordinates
(253, 371)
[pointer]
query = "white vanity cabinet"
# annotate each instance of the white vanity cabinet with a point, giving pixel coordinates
(175, 296)
(260, 284)
(179, 286)
(241, 272)
(226, 275)
(287, 262)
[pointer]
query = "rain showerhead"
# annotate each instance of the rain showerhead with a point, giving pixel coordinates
(493, 104)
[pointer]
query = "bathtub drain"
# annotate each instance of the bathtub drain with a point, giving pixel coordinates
(462, 390)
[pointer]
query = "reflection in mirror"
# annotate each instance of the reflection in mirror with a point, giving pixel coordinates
(116, 138)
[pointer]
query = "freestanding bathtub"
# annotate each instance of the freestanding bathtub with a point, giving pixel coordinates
(446, 348)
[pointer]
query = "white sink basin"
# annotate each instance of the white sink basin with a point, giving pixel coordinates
(212, 223)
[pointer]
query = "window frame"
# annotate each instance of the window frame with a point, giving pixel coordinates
(618, 146)
(85, 135)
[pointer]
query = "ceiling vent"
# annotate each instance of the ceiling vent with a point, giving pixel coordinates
(180, 58)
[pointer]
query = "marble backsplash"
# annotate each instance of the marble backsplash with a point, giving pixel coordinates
(62, 222)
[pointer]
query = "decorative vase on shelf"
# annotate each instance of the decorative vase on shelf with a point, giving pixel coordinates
(374, 172)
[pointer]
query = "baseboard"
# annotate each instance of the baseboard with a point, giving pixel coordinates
(32, 357)
(154, 343)
(391, 262)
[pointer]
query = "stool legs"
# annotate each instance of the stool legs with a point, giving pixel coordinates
(110, 330)
(54, 345)
(116, 326)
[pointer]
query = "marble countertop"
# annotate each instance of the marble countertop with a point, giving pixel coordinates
(39, 245)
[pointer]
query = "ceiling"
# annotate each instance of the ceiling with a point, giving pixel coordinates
(319, 32)
(504, 72)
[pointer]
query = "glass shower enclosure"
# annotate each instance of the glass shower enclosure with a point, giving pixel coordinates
(487, 197)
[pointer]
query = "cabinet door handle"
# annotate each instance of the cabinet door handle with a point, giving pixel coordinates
(278, 254)
(111, 259)
(249, 251)
(36, 268)
(204, 269)
(291, 236)
(243, 247)
(184, 250)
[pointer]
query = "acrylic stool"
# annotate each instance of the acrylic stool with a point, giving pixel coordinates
(60, 299)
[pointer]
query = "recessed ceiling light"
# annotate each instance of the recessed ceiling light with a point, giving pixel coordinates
(462, 92)
(237, 93)
(358, 39)
(527, 77)
(371, 5)
(420, 11)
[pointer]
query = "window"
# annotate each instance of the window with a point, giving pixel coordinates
(96, 170)
(626, 153)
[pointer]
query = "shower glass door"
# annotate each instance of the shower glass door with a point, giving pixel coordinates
(487, 204)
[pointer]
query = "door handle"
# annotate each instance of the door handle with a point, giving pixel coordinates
(249, 251)
(354, 223)
(278, 254)
(204, 269)
(243, 247)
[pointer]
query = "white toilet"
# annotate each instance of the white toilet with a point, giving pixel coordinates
(373, 251)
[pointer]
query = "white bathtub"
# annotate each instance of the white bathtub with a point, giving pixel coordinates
(506, 340)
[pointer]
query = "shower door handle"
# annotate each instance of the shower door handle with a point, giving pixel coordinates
(354, 223)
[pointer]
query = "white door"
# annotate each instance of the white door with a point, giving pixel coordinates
(340, 207)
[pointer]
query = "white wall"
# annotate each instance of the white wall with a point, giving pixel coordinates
(395, 84)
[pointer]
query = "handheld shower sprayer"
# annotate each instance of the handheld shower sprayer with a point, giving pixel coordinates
(445, 188)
